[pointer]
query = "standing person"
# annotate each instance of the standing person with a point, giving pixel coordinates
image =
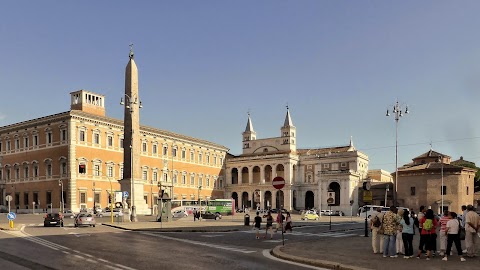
(288, 225)
(390, 227)
(194, 215)
(257, 221)
(428, 236)
(269, 225)
(420, 216)
(452, 228)
(471, 229)
(279, 221)
(375, 225)
(408, 231)
(464, 214)
(399, 241)
(443, 232)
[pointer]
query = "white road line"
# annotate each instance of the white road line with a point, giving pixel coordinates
(90, 260)
(124, 267)
(78, 256)
(199, 243)
(88, 255)
(266, 253)
(214, 235)
(66, 252)
(111, 267)
(343, 235)
(102, 260)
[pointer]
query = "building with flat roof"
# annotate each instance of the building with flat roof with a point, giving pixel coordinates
(40, 159)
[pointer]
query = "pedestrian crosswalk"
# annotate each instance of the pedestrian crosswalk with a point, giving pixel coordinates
(322, 234)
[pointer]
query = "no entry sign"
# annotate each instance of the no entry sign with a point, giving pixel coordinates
(278, 182)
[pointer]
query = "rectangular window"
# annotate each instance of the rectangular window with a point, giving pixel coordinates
(25, 142)
(144, 175)
(83, 197)
(110, 171)
(25, 172)
(8, 146)
(200, 158)
(8, 174)
(110, 141)
(64, 134)
(96, 137)
(144, 147)
(49, 138)
(96, 169)
(184, 154)
(467, 190)
(184, 179)
(145, 197)
(64, 169)
(165, 150)
(17, 144)
(192, 156)
(214, 160)
(200, 181)
(49, 170)
(208, 159)
(174, 178)
(121, 172)
(165, 177)
(155, 176)
(25, 199)
(192, 180)
(17, 173)
(207, 182)
(221, 161)
(82, 136)
(174, 152)
(49, 198)
(35, 171)
(343, 164)
(35, 140)
(443, 190)
(96, 198)
(154, 149)
(412, 191)
(326, 165)
(121, 143)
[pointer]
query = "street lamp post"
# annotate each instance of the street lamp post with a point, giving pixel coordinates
(200, 203)
(397, 110)
(131, 102)
(386, 195)
(93, 191)
(440, 159)
(60, 183)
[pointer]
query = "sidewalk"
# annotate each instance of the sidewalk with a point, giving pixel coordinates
(356, 253)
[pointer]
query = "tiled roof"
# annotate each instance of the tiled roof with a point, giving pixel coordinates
(431, 153)
(327, 150)
(431, 166)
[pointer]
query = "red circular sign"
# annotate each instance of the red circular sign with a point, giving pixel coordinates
(278, 182)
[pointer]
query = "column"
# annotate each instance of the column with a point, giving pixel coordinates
(288, 173)
(262, 174)
(250, 176)
(228, 175)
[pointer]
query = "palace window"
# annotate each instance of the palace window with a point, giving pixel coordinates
(412, 191)
(110, 141)
(49, 137)
(154, 149)
(82, 136)
(110, 171)
(96, 137)
(144, 147)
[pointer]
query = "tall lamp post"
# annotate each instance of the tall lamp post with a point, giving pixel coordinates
(60, 183)
(386, 195)
(131, 102)
(440, 159)
(200, 202)
(397, 112)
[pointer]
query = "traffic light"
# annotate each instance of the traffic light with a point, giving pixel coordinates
(82, 168)
(110, 198)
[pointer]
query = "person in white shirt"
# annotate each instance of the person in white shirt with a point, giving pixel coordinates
(376, 236)
(453, 236)
(471, 229)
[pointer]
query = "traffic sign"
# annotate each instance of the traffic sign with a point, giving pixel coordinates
(278, 182)
(125, 194)
(11, 216)
(367, 196)
(8, 198)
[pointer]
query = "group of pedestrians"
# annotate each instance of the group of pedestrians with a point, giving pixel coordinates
(280, 220)
(393, 232)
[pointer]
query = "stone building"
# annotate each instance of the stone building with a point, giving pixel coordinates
(308, 173)
(40, 158)
(420, 183)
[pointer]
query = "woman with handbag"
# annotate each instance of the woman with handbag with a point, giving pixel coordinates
(453, 236)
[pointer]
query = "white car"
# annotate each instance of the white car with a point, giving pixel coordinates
(117, 212)
(180, 214)
(68, 214)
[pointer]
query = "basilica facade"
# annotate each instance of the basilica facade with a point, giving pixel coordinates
(310, 174)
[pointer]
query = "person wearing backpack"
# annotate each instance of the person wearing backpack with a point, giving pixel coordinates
(428, 235)
(375, 226)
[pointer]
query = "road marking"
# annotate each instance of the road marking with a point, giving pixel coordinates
(102, 260)
(114, 268)
(322, 234)
(78, 256)
(199, 243)
(214, 235)
(90, 260)
(274, 241)
(266, 254)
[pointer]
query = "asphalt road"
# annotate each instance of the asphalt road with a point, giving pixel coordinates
(103, 247)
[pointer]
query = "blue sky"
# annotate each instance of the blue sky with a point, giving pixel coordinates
(204, 64)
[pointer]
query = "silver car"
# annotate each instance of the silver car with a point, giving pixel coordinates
(84, 219)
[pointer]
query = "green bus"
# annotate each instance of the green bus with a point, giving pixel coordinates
(222, 206)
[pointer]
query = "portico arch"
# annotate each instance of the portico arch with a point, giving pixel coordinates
(268, 200)
(235, 199)
(244, 175)
(309, 199)
(335, 187)
(234, 176)
(268, 173)
(280, 170)
(245, 202)
(256, 174)
(279, 200)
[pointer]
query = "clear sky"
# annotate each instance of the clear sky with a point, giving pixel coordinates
(204, 64)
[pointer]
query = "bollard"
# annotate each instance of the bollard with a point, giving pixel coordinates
(11, 224)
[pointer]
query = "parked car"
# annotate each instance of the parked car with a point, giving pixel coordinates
(84, 219)
(338, 213)
(68, 213)
(180, 214)
(210, 215)
(117, 212)
(310, 215)
(53, 219)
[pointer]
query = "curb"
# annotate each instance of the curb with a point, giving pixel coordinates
(277, 252)
(170, 229)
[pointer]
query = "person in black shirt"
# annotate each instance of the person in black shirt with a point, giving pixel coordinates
(257, 223)
(269, 225)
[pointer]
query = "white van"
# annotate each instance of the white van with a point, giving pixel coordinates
(370, 209)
